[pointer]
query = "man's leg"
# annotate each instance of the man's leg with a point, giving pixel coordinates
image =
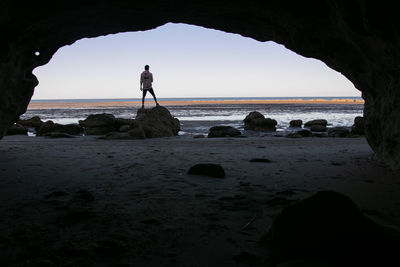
(143, 96)
(154, 96)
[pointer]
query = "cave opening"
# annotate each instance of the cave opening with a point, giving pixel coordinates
(132, 202)
(191, 63)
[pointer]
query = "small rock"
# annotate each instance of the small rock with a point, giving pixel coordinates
(17, 129)
(296, 123)
(199, 136)
(223, 131)
(321, 122)
(260, 160)
(59, 135)
(207, 169)
(338, 132)
(359, 126)
(34, 122)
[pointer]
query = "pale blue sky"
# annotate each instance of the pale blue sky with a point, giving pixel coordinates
(186, 61)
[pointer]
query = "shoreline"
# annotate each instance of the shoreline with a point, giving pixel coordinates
(77, 105)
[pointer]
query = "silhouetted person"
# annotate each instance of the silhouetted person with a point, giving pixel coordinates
(146, 79)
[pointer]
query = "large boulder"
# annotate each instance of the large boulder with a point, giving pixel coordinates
(157, 122)
(17, 129)
(34, 122)
(257, 122)
(358, 126)
(329, 226)
(50, 127)
(98, 124)
(223, 131)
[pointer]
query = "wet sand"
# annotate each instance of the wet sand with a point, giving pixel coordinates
(85, 202)
(54, 105)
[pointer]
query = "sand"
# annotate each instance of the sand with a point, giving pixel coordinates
(84, 201)
(69, 105)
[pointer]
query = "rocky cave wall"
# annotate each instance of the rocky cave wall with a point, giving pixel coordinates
(360, 39)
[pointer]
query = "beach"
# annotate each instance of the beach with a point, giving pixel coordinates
(98, 104)
(85, 201)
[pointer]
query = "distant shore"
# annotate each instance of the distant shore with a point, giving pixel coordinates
(72, 105)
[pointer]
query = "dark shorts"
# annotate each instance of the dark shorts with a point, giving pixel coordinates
(150, 90)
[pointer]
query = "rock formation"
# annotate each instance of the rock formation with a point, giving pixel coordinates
(157, 122)
(358, 126)
(329, 226)
(223, 131)
(349, 36)
(257, 122)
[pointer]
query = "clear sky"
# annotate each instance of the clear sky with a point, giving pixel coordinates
(186, 61)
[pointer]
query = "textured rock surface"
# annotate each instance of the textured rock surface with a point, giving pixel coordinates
(17, 129)
(329, 226)
(296, 123)
(358, 126)
(349, 36)
(257, 122)
(157, 122)
(320, 122)
(51, 127)
(223, 131)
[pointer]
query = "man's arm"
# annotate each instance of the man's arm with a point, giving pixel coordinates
(141, 82)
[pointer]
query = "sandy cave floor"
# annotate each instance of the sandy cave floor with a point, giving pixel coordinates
(84, 201)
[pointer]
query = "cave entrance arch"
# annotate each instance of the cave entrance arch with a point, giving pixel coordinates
(192, 62)
(350, 37)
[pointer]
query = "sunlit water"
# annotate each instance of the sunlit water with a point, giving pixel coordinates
(198, 119)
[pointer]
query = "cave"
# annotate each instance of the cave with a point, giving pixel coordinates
(356, 38)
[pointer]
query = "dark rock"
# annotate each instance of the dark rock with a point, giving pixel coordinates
(320, 122)
(318, 128)
(124, 128)
(34, 122)
(157, 122)
(223, 131)
(320, 134)
(98, 124)
(17, 129)
(50, 126)
(119, 122)
(116, 136)
(358, 126)
(99, 121)
(304, 133)
(260, 160)
(296, 123)
(299, 134)
(198, 136)
(137, 133)
(212, 170)
(338, 132)
(329, 226)
(58, 135)
(257, 122)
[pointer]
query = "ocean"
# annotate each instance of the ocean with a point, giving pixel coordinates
(198, 115)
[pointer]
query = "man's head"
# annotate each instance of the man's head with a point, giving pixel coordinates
(146, 67)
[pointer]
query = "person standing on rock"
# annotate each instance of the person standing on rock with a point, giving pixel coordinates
(146, 79)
